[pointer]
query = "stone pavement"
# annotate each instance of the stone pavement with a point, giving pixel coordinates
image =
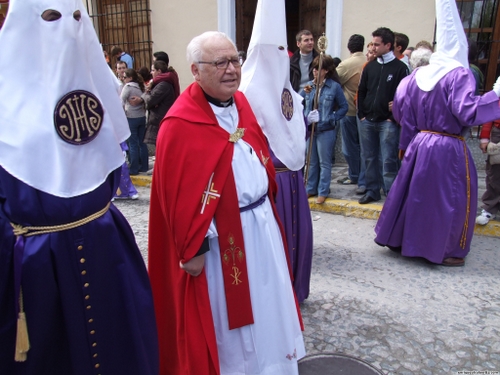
(403, 316)
(343, 200)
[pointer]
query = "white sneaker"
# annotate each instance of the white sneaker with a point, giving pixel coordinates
(484, 218)
(135, 196)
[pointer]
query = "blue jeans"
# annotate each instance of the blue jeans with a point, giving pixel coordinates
(379, 140)
(138, 151)
(320, 165)
(352, 149)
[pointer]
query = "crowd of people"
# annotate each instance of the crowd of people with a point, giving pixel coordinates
(226, 268)
(384, 121)
(146, 95)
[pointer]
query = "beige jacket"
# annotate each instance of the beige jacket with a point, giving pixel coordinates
(349, 72)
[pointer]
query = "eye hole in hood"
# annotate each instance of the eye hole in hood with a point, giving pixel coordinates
(51, 15)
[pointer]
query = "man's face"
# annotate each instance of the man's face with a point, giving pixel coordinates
(220, 84)
(120, 70)
(306, 44)
(379, 48)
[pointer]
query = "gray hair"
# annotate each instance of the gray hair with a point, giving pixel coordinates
(194, 49)
(420, 57)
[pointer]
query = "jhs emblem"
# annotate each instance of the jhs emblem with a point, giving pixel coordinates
(287, 104)
(78, 117)
(389, 77)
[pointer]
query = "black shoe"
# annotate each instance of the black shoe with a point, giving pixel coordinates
(367, 199)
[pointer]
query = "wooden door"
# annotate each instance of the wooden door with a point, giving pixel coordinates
(245, 15)
(313, 17)
(300, 14)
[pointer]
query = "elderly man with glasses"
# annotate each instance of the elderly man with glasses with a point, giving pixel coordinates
(217, 260)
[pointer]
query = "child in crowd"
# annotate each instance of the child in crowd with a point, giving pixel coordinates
(490, 132)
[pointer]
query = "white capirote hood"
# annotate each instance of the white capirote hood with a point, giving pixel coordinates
(452, 48)
(265, 80)
(61, 119)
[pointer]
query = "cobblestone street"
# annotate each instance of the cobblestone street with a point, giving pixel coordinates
(402, 315)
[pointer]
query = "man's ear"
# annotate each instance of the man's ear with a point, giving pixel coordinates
(195, 70)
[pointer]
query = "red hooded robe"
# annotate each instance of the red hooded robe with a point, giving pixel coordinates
(191, 146)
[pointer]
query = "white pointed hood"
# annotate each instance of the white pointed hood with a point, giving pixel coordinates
(61, 120)
(452, 47)
(266, 83)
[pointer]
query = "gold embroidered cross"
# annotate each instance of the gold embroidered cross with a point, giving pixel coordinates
(209, 194)
(264, 159)
(237, 135)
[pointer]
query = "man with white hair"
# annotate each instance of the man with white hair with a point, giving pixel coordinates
(217, 258)
(420, 57)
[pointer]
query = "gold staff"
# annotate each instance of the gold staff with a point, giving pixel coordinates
(322, 45)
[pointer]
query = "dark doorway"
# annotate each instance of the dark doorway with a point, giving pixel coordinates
(300, 14)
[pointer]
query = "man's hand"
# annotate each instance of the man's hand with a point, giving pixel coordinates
(401, 154)
(390, 106)
(483, 145)
(194, 266)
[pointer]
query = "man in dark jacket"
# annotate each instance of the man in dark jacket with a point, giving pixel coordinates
(301, 60)
(378, 131)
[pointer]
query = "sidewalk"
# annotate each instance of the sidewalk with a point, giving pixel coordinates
(343, 200)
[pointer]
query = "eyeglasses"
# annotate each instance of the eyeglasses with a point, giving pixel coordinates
(223, 63)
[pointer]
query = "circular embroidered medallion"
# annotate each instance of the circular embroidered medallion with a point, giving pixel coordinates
(78, 117)
(287, 104)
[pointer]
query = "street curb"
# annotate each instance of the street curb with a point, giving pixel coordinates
(346, 208)
(350, 209)
(372, 211)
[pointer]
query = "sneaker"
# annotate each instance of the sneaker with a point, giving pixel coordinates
(134, 197)
(361, 190)
(349, 182)
(484, 218)
(342, 180)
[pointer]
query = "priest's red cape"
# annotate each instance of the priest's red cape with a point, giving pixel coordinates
(190, 147)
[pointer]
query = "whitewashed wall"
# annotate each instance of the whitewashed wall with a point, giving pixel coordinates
(176, 22)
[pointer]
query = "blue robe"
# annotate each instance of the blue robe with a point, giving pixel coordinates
(86, 292)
